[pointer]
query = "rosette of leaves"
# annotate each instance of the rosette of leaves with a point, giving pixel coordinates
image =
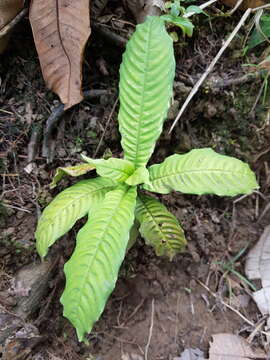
(115, 199)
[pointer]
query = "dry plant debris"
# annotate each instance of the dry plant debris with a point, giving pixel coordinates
(229, 346)
(245, 4)
(61, 30)
(258, 267)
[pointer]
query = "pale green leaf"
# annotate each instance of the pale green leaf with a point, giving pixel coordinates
(66, 208)
(74, 171)
(116, 169)
(140, 176)
(92, 271)
(159, 227)
(146, 78)
(202, 171)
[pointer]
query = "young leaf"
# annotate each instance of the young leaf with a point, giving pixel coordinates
(146, 77)
(185, 24)
(113, 168)
(61, 29)
(202, 171)
(66, 208)
(75, 171)
(159, 227)
(92, 271)
(140, 176)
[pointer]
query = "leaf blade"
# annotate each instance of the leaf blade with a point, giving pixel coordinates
(61, 29)
(66, 208)
(74, 171)
(159, 227)
(202, 171)
(113, 168)
(93, 268)
(145, 89)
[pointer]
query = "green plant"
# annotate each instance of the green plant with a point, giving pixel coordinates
(115, 199)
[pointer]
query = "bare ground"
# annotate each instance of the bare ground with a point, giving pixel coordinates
(159, 308)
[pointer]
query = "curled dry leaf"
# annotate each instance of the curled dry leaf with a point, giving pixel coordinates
(258, 267)
(229, 346)
(61, 29)
(8, 10)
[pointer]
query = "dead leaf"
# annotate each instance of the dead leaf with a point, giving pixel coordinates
(74, 171)
(8, 10)
(229, 346)
(258, 267)
(191, 354)
(265, 64)
(246, 3)
(61, 29)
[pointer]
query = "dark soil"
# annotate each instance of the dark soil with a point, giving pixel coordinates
(169, 305)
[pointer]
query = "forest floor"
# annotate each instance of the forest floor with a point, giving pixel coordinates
(158, 307)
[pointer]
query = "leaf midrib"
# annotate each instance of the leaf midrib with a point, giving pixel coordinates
(153, 218)
(75, 200)
(142, 102)
(193, 171)
(100, 240)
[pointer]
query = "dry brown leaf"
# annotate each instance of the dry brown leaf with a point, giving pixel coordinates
(8, 10)
(229, 346)
(246, 3)
(61, 29)
(258, 267)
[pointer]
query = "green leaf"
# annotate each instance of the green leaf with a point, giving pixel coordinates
(133, 235)
(76, 170)
(185, 24)
(66, 208)
(146, 78)
(140, 176)
(113, 168)
(159, 227)
(194, 9)
(202, 171)
(92, 271)
(257, 36)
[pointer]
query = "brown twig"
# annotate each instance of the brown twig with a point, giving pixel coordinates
(9, 26)
(108, 34)
(216, 296)
(150, 330)
(106, 127)
(33, 144)
(56, 116)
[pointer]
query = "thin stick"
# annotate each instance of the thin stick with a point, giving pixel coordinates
(210, 67)
(266, 6)
(230, 307)
(239, 2)
(9, 26)
(203, 6)
(150, 330)
(106, 127)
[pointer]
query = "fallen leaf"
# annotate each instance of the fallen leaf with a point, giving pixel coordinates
(229, 346)
(75, 171)
(246, 3)
(258, 267)
(8, 10)
(191, 354)
(61, 29)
